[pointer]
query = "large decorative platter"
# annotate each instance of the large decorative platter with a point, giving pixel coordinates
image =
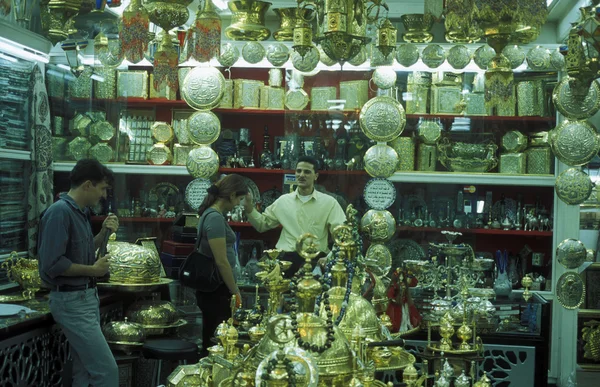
(204, 127)
(570, 290)
(407, 54)
(381, 161)
(576, 108)
(571, 253)
(203, 88)
(202, 162)
(575, 143)
(252, 188)
(378, 259)
(195, 192)
(378, 226)
(253, 52)
(573, 186)
(382, 119)
(459, 57)
(379, 193)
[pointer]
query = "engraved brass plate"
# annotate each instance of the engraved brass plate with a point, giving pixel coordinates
(381, 160)
(378, 225)
(203, 88)
(229, 55)
(159, 154)
(570, 290)
(296, 99)
(384, 77)
(195, 192)
(202, 162)
(102, 130)
(459, 57)
(407, 54)
(382, 119)
(571, 253)
(514, 141)
(433, 56)
(573, 186)
(483, 56)
(575, 142)
(307, 62)
(538, 58)
(430, 131)
(204, 127)
(253, 52)
(277, 54)
(571, 106)
(162, 132)
(379, 259)
(515, 55)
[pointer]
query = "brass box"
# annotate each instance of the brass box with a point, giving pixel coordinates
(355, 93)
(319, 97)
(539, 161)
(246, 93)
(272, 97)
(529, 102)
(132, 84)
(446, 100)
(416, 98)
(164, 92)
(106, 89)
(405, 147)
(227, 100)
(181, 153)
(476, 104)
(513, 163)
(427, 157)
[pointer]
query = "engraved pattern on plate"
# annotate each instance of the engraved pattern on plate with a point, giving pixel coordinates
(459, 57)
(202, 162)
(307, 63)
(379, 259)
(278, 54)
(204, 127)
(296, 99)
(384, 77)
(557, 60)
(103, 130)
(382, 119)
(407, 54)
(570, 290)
(253, 52)
(538, 58)
(572, 107)
(483, 56)
(253, 188)
(381, 161)
(378, 226)
(573, 186)
(229, 55)
(575, 142)
(203, 88)
(515, 55)
(195, 192)
(571, 253)
(433, 56)
(162, 132)
(379, 193)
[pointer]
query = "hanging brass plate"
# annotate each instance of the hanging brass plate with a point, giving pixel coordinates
(575, 142)
(570, 290)
(382, 119)
(203, 88)
(204, 127)
(573, 186)
(572, 107)
(202, 162)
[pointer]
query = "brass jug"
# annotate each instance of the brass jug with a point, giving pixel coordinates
(248, 20)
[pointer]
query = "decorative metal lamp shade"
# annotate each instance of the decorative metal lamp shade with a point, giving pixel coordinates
(583, 51)
(203, 40)
(386, 37)
(460, 23)
(133, 31)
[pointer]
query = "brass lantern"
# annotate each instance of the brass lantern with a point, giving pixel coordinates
(386, 37)
(302, 37)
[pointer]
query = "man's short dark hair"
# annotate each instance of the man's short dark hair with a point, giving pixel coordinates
(310, 160)
(90, 169)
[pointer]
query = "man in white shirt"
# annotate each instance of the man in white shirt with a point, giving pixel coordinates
(304, 210)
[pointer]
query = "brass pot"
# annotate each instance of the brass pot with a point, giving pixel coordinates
(123, 334)
(417, 27)
(248, 20)
(289, 18)
(153, 313)
(132, 264)
(25, 272)
(167, 14)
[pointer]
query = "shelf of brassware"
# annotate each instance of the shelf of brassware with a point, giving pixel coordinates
(141, 103)
(480, 231)
(400, 177)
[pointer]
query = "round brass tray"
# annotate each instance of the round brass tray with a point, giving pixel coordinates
(459, 57)
(575, 143)
(203, 88)
(204, 127)
(195, 192)
(381, 160)
(407, 54)
(515, 55)
(573, 186)
(162, 132)
(378, 258)
(384, 77)
(538, 58)
(571, 253)
(570, 290)
(134, 287)
(253, 52)
(433, 56)
(325, 59)
(382, 119)
(307, 62)
(202, 162)
(278, 54)
(229, 55)
(576, 108)
(483, 56)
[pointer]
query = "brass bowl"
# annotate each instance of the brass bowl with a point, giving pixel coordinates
(133, 264)
(153, 313)
(124, 335)
(25, 272)
(248, 20)
(417, 27)
(167, 14)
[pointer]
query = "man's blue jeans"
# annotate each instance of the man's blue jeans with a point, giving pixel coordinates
(78, 314)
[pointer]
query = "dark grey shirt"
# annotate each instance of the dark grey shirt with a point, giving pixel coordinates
(64, 237)
(216, 226)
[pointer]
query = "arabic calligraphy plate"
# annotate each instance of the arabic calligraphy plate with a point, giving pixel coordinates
(575, 143)
(195, 192)
(573, 107)
(203, 88)
(573, 186)
(382, 119)
(571, 253)
(379, 259)
(202, 162)
(570, 290)
(204, 127)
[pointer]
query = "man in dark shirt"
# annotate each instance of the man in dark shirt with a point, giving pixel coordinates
(68, 266)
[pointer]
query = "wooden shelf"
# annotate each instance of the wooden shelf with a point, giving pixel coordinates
(481, 231)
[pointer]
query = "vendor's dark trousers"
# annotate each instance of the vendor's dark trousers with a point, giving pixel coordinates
(78, 314)
(215, 307)
(297, 262)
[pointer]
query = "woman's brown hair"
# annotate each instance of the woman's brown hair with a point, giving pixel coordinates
(223, 189)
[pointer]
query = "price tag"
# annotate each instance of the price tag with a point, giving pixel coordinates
(195, 192)
(379, 193)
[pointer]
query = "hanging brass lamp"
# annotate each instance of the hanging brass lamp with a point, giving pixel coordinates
(203, 39)
(386, 37)
(302, 37)
(133, 31)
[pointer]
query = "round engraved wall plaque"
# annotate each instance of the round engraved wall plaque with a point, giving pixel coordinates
(571, 253)
(195, 192)
(573, 107)
(379, 193)
(382, 119)
(202, 162)
(381, 160)
(203, 88)
(570, 290)
(204, 127)
(573, 186)
(575, 143)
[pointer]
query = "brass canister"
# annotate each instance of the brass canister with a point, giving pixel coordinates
(272, 97)
(539, 161)
(426, 158)
(405, 147)
(528, 101)
(227, 100)
(513, 163)
(106, 89)
(246, 93)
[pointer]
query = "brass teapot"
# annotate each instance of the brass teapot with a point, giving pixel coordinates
(25, 272)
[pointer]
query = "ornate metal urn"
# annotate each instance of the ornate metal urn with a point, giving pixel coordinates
(248, 20)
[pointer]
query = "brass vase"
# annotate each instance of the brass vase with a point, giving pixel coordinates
(248, 20)
(203, 39)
